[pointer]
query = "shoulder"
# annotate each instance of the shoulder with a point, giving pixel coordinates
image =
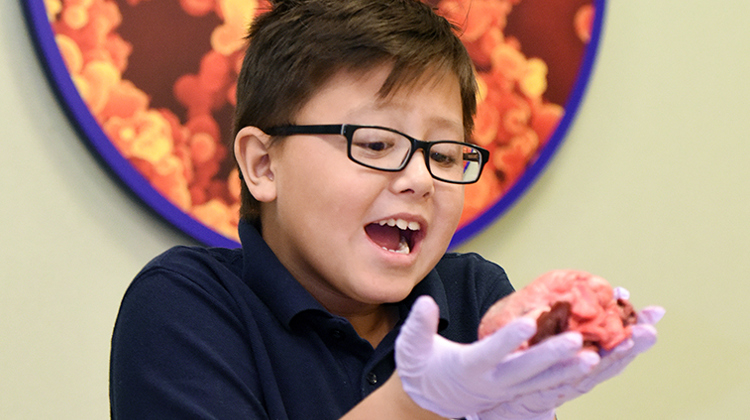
(198, 265)
(468, 261)
(189, 292)
(194, 258)
(184, 277)
(182, 318)
(473, 270)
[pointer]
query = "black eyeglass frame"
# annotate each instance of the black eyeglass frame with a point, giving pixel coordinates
(347, 130)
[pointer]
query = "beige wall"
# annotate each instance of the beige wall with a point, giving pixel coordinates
(651, 190)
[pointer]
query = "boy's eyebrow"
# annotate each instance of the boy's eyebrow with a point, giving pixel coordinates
(385, 104)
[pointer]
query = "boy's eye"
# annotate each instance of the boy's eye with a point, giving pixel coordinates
(375, 146)
(442, 159)
(373, 143)
(446, 154)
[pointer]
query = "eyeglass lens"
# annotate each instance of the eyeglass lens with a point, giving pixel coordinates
(384, 149)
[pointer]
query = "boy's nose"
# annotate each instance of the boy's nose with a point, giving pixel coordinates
(415, 177)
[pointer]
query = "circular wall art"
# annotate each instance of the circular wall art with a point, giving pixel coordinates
(150, 86)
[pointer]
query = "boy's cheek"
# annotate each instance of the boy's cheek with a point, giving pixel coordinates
(448, 210)
(453, 204)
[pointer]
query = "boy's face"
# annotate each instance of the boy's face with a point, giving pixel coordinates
(324, 222)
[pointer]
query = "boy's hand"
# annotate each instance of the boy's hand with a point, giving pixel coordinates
(612, 363)
(458, 380)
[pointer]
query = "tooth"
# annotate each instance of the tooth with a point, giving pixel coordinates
(401, 224)
(403, 246)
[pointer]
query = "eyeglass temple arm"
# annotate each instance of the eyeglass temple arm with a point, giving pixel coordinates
(287, 130)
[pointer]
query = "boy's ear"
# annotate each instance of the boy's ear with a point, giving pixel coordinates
(251, 151)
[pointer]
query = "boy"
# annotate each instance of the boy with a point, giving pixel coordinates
(350, 134)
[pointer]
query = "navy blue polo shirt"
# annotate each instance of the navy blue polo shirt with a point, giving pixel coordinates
(213, 333)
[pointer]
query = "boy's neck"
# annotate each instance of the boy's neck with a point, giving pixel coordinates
(374, 326)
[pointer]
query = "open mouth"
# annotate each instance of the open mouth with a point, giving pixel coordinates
(394, 235)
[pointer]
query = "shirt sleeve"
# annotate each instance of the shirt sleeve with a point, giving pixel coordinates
(180, 350)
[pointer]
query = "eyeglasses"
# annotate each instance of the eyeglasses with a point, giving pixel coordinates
(389, 150)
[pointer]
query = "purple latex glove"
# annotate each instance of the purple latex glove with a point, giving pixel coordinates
(540, 405)
(458, 380)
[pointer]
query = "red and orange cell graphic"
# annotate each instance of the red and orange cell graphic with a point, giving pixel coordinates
(158, 78)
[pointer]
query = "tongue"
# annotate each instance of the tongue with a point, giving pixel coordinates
(386, 236)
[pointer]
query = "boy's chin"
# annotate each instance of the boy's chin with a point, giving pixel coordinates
(384, 297)
(383, 289)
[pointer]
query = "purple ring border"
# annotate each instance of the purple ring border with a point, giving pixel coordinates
(67, 94)
(505, 202)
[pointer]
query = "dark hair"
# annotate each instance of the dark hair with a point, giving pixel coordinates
(297, 46)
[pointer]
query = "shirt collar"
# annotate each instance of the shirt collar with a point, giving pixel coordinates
(270, 280)
(286, 298)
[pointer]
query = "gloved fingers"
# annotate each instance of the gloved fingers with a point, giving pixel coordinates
(526, 407)
(567, 372)
(415, 341)
(559, 384)
(644, 336)
(615, 361)
(608, 370)
(549, 399)
(521, 366)
(505, 415)
(424, 313)
(621, 293)
(650, 315)
(482, 356)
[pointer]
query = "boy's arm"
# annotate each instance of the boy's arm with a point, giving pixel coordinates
(165, 361)
(390, 401)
